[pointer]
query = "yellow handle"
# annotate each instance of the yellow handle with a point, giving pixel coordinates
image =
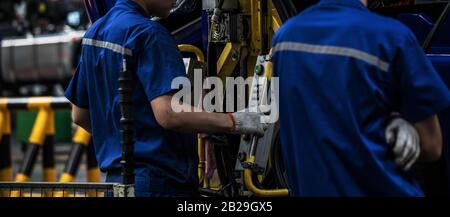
(192, 49)
(257, 191)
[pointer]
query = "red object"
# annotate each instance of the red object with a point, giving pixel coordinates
(233, 129)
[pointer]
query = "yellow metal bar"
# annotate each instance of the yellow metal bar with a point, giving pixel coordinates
(257, 191)
(40, 129)
(6, 174)
(50, 126)
(192, 49)
(93, 175)
(50, 171)
(7, 122)
(2, 120)
(228, 60)
(20, 178)
(206, 183)
(39, 102)
(49, 175)
(3, 103)
(276, 21)
(201, 159)
(269, 69)
(255, 26)
(81, 136)
(66, 177)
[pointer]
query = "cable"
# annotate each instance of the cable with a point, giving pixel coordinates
(427, 43)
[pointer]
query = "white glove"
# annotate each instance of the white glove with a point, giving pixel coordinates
(248, 123)
(406, 142)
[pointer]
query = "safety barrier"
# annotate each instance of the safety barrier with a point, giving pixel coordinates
(42, 138)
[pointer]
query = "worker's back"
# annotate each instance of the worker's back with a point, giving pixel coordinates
(168, 157)
(342, 73)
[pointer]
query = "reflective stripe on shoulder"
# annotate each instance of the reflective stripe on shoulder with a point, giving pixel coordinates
(333, 50)
(107, 45)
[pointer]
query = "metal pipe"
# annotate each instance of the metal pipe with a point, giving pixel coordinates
(257, 191)
(192, 49)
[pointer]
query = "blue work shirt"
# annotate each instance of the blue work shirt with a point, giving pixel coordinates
(343, 70)
(166, 160)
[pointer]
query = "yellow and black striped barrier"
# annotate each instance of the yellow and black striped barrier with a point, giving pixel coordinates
(42, 138)
(42, 134)
(82, 143)
(34, 103)
(6, 173)
(81, 140)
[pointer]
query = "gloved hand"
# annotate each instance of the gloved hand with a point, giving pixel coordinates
(245, 122)
(405, 140)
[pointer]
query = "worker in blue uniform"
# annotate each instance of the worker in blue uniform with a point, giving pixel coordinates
(358, 102)
(165, 152)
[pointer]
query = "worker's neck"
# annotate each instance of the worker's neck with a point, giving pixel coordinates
(141, 3)
(364, 2)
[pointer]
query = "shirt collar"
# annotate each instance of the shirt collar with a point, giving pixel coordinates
(346, 3)
(129, 4)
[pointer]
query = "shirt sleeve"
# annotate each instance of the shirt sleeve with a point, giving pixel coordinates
(159, 64)
(77, 92)
(422, 92)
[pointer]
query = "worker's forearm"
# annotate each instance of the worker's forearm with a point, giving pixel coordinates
(170, 114)
(81, 117)
(430, 138)
(202, 122)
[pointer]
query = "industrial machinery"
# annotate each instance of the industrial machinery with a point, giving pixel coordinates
(236, 36)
